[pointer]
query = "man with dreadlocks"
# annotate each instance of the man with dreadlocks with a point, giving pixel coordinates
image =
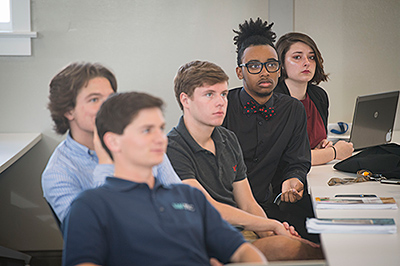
(271, 128)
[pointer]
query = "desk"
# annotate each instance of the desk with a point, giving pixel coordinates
(12, 147)
(356, 249)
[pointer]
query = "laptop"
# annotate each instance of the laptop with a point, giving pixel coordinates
(373, 119)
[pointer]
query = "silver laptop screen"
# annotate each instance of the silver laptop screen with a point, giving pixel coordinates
(373, 119)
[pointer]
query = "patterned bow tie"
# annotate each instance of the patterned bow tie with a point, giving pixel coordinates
(251, 108)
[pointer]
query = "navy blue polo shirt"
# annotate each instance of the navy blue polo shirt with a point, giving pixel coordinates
(216, 173)
(127, 223)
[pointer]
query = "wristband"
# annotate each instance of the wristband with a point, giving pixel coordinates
(334, 150)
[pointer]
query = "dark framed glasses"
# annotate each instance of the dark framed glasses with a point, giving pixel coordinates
(255, 67)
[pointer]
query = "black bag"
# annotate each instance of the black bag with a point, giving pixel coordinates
(382, 159)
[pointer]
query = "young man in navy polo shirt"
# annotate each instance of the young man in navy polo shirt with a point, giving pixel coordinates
(208, 157)
(133, 219)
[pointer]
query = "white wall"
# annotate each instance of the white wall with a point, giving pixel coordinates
(359, 41)
(143, 42)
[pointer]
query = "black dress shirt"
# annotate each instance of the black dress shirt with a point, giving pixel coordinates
(274, 150)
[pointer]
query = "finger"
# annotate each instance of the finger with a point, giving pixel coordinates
(293, 231)
(298, 195)
(286, 225)
(324, 143)
(292, 197)
(285, 197)
(329, 144)
(299, 187)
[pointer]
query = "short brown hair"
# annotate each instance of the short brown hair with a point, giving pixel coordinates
(120, 109)
(196, 74)
(286, 41)
(66, 85)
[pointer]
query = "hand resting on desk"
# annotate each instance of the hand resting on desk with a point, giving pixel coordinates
(344, 149)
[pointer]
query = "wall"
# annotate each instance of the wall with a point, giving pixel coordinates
(143, 42)
(359, 42)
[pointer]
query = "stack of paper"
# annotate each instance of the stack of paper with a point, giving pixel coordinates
(356, 203)
(351, 226)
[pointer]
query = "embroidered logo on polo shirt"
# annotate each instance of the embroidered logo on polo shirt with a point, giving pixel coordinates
(234, 168)
(183, 206)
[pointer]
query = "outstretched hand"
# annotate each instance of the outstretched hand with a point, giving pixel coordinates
(292, 190)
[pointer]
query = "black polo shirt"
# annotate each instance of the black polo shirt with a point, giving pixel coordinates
(274, 150)
(216, 173)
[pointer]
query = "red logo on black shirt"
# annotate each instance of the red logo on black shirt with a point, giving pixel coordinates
(234, 168)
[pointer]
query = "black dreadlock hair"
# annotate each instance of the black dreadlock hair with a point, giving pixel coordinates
(253, 33)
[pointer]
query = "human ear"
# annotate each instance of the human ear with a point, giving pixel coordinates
(239, 72)
(184, 98)
(69, 115)
(112, 141)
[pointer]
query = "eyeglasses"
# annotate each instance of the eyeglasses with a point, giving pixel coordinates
(271, 66)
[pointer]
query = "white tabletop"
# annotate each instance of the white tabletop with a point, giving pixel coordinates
(14, 145)
(356, 249)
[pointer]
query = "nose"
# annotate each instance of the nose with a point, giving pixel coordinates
(160, 138)
(306, 61)
(221, 100)
(160, 135)
(264, 70)
(163, 138)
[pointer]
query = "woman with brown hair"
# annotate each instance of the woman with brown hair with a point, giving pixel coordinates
(302, 70)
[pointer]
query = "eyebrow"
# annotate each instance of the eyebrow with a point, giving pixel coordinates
(93, 94)
(208, 91)
(300, 52)
(151, 125)
(269, 59)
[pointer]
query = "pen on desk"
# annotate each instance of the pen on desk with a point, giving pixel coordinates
(355, 195)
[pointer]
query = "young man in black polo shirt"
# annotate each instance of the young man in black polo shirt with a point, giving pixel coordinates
(208, 157)
(271, 128)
